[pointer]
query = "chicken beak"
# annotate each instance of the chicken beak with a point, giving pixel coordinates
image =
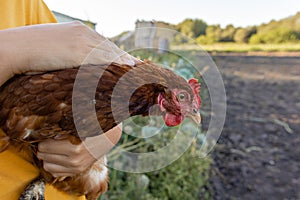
(196, 117)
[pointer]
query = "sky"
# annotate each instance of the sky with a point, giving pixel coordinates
(113, 17)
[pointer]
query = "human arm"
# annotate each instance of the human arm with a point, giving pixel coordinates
(54, 46)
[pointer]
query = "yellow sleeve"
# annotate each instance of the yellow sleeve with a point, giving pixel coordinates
(17, 171)
(15, 13)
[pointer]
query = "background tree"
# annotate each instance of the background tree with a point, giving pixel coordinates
(278, 35)
(186, 27)
(242, 35)
(212, 35)
(282, 31)
(198, 28)
(227, 34)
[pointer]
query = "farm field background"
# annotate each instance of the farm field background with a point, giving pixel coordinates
(257, 153)
(240, 48)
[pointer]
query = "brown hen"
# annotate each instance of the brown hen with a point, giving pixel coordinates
(38, 107)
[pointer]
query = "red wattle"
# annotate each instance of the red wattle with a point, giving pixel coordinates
(172, 120)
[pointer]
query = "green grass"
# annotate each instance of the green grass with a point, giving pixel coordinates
(234, 47)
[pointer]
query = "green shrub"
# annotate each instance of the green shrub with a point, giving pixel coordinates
(275, 36)
(242, 35)
(185, 179)
(202, 39)
(256, 39)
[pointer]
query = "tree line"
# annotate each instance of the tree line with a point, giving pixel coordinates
(286, 30)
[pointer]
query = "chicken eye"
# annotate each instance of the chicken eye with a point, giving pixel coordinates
(181, 97)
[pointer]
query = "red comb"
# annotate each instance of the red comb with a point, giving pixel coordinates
(196, 86)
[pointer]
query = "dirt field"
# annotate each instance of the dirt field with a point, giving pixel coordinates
(258, 153)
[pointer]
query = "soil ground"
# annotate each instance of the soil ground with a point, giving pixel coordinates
(258, 153)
